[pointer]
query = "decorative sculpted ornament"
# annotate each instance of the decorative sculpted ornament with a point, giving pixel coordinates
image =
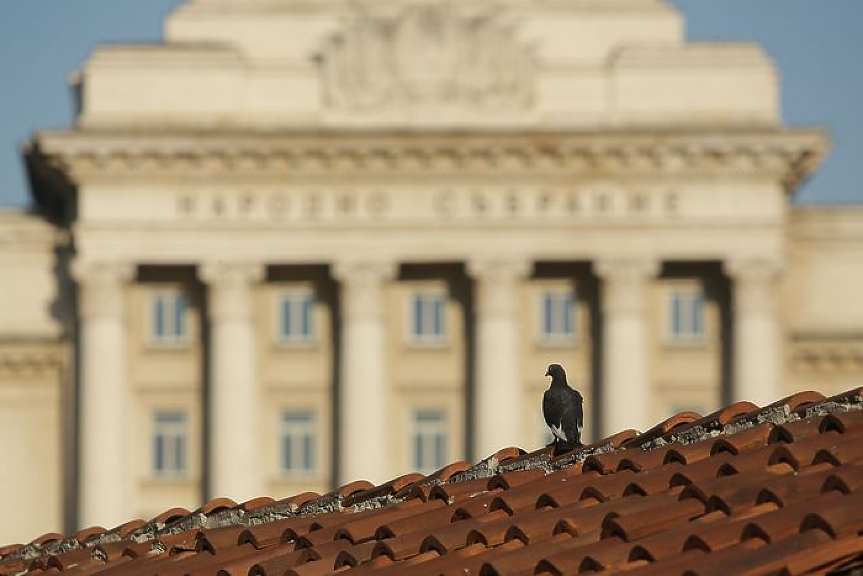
(426, 55)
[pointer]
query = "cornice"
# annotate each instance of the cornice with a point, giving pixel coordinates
(29, 360)
(22, 230)
(827, 224)
(837, 352)
(784, 155)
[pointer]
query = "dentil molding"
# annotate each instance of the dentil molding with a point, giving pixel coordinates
(785, 155)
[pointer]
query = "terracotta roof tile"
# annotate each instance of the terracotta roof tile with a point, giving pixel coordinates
(299, 499)
(742, 490)
(280, 559)
(445, 473)
(797, 401)
(433, 513)
(678, 421)
(459, 491)
(46, 539)
(127, 528)
(256, 503)
(169, 516)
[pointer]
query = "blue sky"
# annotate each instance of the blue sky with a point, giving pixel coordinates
(816, 44)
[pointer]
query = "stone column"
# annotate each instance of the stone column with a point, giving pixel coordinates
(235, 464)
(757, 353)
(104, 475)
(625, 395)
(363, 416)
(498, 403)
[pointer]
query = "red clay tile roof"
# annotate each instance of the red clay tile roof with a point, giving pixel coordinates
(744, 490)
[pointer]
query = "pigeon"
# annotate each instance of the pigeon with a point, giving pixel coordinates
(562, 409)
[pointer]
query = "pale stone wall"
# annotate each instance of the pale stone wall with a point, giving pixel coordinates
(582, 64)
(33, 375)
(428, 376)
(295, 377)
(28, 292)
(822, 299)
(685, 375)
(163, 377)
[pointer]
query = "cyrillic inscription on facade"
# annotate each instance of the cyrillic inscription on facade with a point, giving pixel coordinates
(441, 204)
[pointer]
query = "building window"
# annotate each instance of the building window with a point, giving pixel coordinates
(297, 443)
(429, 441)
(169, 317)
(557, 315)
(428, 320)
(296, 320)
(686, 316)
(170, 442)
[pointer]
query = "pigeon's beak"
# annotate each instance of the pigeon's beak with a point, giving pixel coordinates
(548, 372)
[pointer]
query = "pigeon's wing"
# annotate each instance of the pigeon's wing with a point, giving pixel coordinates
(560, 414)
(575, 421)
(549, 409)
(552, 410)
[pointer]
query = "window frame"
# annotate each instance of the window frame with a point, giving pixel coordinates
(171, 433)
(307, 435)
(552, 339)
(300, 297)
(174, 296)
(433, 437)
(680, 312)
(438, 297)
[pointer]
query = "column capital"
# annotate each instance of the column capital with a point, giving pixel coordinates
(231, 273)
(500, 269)
(101, 284)
(628, 269)
(362, 286)
(623, 280)
(496, 280)
(229, 285)
(360, 271)
(754, 283)
(88, 271)
(753, 269)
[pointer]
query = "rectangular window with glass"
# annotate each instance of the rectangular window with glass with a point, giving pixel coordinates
(170, 443)
(686, 316)
(296, 317)
(429, 440)
(168, 324)
(428, 317)
(297, 447)
(557, 315)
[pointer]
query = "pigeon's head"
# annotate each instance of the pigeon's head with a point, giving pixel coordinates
(556, 372)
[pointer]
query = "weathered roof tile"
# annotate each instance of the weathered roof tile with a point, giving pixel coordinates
(776, 489)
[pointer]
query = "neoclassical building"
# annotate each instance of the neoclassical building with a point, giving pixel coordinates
(309, 241)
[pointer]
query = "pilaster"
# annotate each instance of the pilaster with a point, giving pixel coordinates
(234, 405)
(498, 401)
(625, 395)
(104, 480)
(757, 348)
(363, 401)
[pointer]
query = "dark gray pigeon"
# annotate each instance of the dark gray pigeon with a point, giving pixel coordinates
(562, 409)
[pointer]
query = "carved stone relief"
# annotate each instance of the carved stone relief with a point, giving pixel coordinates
(428, 54)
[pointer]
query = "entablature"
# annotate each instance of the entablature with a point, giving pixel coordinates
(786, 156)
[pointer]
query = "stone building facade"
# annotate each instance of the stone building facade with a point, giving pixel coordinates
(304, 242)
